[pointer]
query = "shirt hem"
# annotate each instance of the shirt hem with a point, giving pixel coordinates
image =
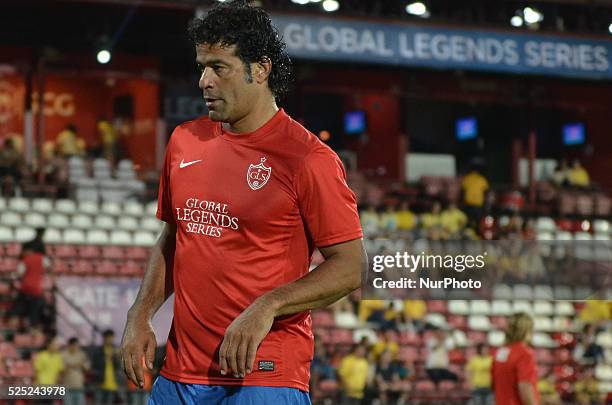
(345, 237)
(263, 382)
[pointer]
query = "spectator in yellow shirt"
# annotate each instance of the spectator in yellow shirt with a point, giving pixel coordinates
(586, 388)
(474, 187)
(68, 142)
(548, 392)
(385, 342)
(406, 220)
(432, 219)
(453, 220)
(48, 364)
(108, 136)
(353, 373)
(479, 375)
(414, 313)
(578, 175)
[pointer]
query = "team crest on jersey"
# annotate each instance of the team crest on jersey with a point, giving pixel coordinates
(258, 175)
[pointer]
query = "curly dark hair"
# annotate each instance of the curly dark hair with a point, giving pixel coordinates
(251, 30)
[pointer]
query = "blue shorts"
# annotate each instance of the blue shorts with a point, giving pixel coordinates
(166, 392)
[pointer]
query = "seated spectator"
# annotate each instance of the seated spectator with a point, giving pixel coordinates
(108, 138)
(586, 388)
(321, 366)
(436, 365)
(548, 392)
(560, 175)
(76, 365)
(367, 307)
(587, 351)
(12, 167)
(386, 342)
(353, 373)
(69, 144)
(370, 221)
(596, 311)
(387, 378)
(479, 376)
(432, 219)
(414, 314)
(406, 220)
(453, 220)
(48, 364)
(578, 176)
(388, 220)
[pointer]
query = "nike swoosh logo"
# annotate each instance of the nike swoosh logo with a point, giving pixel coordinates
(185, 164)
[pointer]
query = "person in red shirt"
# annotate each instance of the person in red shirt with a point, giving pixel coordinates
(514, 371)
(246, 195)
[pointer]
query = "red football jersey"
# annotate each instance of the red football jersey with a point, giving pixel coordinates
(250, 209)
(513, 364)
(32, 280)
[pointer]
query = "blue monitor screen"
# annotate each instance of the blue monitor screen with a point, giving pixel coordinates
(573, 134)
(466, 128)
(354, 122)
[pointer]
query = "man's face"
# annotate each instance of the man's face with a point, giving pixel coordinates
(227, 86)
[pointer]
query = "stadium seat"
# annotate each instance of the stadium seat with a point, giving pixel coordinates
(97, 237)
(65, 206)
(563, 292)
(131, 268)
(603, 372)
(342, 336)
(88, 207)
(8, 265)
(604, 339)
(424, 386)
(127, 223)
(151, 224)
(543, 292)
(58, 220)
(367, 333)
(42, 205)
(543, 324)
(476, 337)
(112, 253)
(522, 306)
(24, 234)
(457, 321)
(328, 387)
(583, 236)
(10, 218)
(6, 234)
(501, 308)
(120, 237)
(65, 251)
(35, 220)
(409, 338)
(133, 208)
(479, 323)
(106, 267)
(151, 208)
(562, 323)
(408, 353)
(436, 320)
(52, 235)
(604, 387)
(136, 253)
(522, 292)
(480, 307)
(601, 226)
(82, 221)
(83, 267)
(543, 340)
(19, 204)
(544, 356)
(8, 351)
(502, 292)
(3, 203)
(59, 266)
(458, 307)
(460, 338)
(499, 322)
(105, 222)
(438, 306)
(23, 340)
(545, 224)
(495, 338)
(543, 308)
(143, 238)
(111, 208)
(545, 236)
(76, 236)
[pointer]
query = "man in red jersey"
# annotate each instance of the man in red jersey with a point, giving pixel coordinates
(247, 194)
(514, 371)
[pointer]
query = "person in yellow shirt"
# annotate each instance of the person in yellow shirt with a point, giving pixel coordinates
(385, 342)
(108, 137)
(107, 370)
(474, 186)
(596, 311)
(587, 389)
(68, 142)
(479, 375)
(431, 219)
(548, 392)
(414, 312)
(453, 220)
(578, 176)
(368, 307)
(406, 220)
(48, 364)
(353, 373)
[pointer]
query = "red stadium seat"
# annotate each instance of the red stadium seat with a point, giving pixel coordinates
(477, 337)
(584, 204)
(563, 356)
(131, 268)
(21, 369)
(447, 386)
(89, 252)
(499, 322)
(409, 338)
(12, 249)
(456, 356)
(408, 353)
(342, 336)
(23, 340)
(438, 306)
(60, 266)
(65, 251)
(8, 265)
(113, 252)
(565, 373)
(5, 288)
(106, 267)
(457, 321)
(544, 356)
(136, 253)
(602, 205)
(8, 351)
(424, 386)
(322, 319)
(83, 267)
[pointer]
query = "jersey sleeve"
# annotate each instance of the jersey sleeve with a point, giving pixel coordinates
(164, 197)
(526, 368)
(327, 205)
